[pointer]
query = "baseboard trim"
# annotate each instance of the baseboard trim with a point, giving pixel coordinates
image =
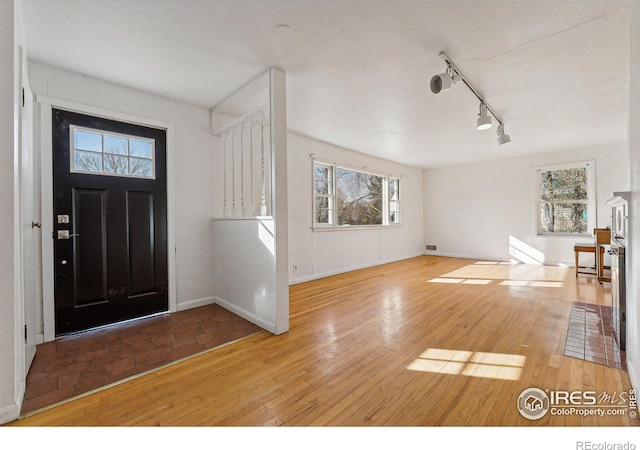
(491, 258)
(9, 413)
(195, 303)
(350, 269)
(467, 256)
(269, 326)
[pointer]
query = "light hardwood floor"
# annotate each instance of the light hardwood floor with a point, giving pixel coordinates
(428, 341)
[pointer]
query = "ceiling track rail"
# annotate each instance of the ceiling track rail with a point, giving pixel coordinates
(476, 92)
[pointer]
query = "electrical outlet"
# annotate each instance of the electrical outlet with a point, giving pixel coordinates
(295, 267)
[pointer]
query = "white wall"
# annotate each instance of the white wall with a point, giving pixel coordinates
(8, 404)
(193, 160)
(244, 269)
(633, 259)
(323, 253)
(472, 210)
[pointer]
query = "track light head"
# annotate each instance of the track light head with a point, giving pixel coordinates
(442, 82)
(453, 75)
(484, 120)
(502, 137)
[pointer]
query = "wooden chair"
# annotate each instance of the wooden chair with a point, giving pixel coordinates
(589, 247)
(602, 236)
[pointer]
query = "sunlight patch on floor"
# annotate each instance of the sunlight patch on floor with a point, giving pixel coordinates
(501, 366)
(507, 273)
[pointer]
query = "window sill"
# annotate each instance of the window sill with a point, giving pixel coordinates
(565, 235)
(356, 227)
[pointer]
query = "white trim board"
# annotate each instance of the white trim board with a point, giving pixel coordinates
(350, 269)
(490, 258)
(196, 303)
(46, 104)
(269, 326)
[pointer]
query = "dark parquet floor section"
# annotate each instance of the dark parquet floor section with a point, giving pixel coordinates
(76, 364)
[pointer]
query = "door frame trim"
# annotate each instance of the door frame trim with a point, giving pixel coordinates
(46, 104)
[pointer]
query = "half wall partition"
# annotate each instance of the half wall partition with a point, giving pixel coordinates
(250, 206)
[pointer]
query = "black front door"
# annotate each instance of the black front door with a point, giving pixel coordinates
(110, 221)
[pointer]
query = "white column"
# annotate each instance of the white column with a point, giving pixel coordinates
(633, 250)
(278, 200)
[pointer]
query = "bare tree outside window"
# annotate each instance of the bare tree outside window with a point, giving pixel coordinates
(358, 198)
(323, 193)
(96, 152)
(394, 200)
(87, 161)
(563, 200)
(346, 197)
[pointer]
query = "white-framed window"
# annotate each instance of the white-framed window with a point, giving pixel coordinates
(394, 200)
(344, 197)
(323, 194)
(100, 152)
(566, 199)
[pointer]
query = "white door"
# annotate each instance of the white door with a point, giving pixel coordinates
(27, 214)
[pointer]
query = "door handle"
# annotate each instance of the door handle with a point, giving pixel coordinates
(64, 234)
(35, 224)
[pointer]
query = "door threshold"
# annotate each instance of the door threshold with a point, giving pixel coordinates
(110, 325)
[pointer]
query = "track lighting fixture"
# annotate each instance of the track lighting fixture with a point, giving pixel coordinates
(502, 137)
(443, 81)
(453, 75)
(484, 119)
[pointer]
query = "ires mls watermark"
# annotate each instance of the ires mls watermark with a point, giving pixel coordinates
(534, 403)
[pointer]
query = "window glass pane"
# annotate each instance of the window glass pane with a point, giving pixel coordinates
(564, 184)
(85, 140)
(322, 210)
(112, 154)
(393, 190)
(563, 217)
(321, 187)
(140, 166)
(87, 161)
(115, 145)
(141, 149)
(358, 198)
(321, 177)
(394, 212)
(116, 164)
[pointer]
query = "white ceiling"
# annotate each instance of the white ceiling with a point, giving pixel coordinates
(358, 71)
